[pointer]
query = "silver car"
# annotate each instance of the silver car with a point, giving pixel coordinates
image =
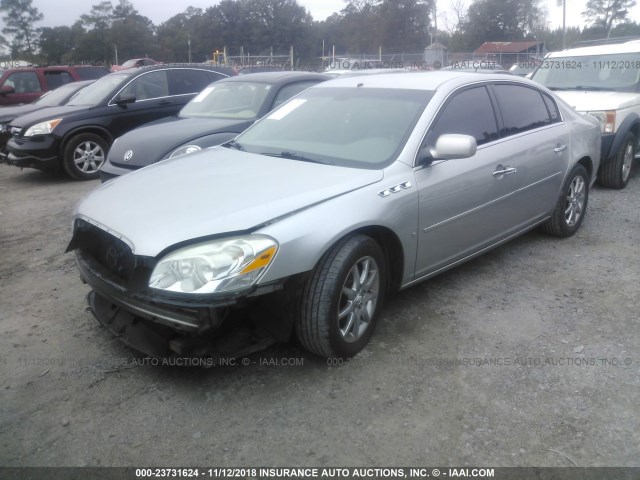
(300, 226)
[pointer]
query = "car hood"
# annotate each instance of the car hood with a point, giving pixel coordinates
(9, 113)
(212, 192)
(46, 114)
(153, 142)
(589, 101)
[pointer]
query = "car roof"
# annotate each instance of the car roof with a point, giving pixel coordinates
(132, 72)
(431, 80)
(276, 77)
(78, 85)
(626, 47)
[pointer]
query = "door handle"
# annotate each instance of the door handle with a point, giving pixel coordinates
(166, 102)
(505, 171)
(560, 148)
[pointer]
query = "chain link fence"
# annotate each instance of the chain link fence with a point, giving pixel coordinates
(430, 59)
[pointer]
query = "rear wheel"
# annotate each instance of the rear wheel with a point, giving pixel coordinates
(342, 299)
(615, 173)
(572, 205)
(84, 154)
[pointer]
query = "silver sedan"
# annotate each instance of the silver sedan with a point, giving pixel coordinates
(302, 225)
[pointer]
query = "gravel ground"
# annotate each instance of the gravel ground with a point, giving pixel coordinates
(527, 356)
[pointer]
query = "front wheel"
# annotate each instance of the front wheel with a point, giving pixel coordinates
(84, 154)
(342, 299)
(572, 205)
(615, 173)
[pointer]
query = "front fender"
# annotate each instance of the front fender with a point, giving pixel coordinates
(629, 123)
(306, 235)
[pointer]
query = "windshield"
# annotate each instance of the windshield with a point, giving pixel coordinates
(617, 72)
(100, 91)
(232, 100)
(58, 96)
(353, 127)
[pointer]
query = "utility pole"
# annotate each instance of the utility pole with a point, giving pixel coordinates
(564, 22)
(435, 21)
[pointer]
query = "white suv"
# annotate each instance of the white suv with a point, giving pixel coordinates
(602, 81)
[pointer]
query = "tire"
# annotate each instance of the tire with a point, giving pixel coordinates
(83, 156)
(615, 173)
(572, 205)
(338, 311)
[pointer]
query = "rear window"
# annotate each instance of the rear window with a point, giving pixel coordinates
(188, 81)
(522, 108)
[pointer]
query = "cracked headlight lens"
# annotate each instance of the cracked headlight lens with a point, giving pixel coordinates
(224, 265)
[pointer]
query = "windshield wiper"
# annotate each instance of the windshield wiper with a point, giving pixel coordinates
(596, 89)
(296, 156)
(233, 144)
(582, 87)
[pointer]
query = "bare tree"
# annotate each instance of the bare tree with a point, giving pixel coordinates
(455, 16)
(607, 13)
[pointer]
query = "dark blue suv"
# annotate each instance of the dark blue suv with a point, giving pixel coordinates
(77, 137)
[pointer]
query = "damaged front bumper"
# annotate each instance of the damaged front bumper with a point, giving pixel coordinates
(217, 327)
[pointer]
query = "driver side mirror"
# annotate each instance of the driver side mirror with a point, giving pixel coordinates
(449, 146)
(7, 89)
(125, 99)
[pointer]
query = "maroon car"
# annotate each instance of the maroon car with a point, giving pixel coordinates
(26, 84)
(134, 63)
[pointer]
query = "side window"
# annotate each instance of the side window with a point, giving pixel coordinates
(289, 91)
(187, 81)
(469, 113)
(57, 78)
(552, 108)
(23, 82)
(522, 108)
(148, 85)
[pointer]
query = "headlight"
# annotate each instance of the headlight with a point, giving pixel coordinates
(184, 150)
(219, 266)
(607, 120)
(42, 128)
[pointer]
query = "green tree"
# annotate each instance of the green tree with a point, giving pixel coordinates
(605, 14)
(20, 17)
(172, 37)
(123, 10)
(131, 33)
(404, 24)
(55, 43)
(99, 20)
(501, 21)
(364, 25)
(277, 24)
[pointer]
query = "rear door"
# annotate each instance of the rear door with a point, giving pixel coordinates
(467, 205)
(536, 142)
